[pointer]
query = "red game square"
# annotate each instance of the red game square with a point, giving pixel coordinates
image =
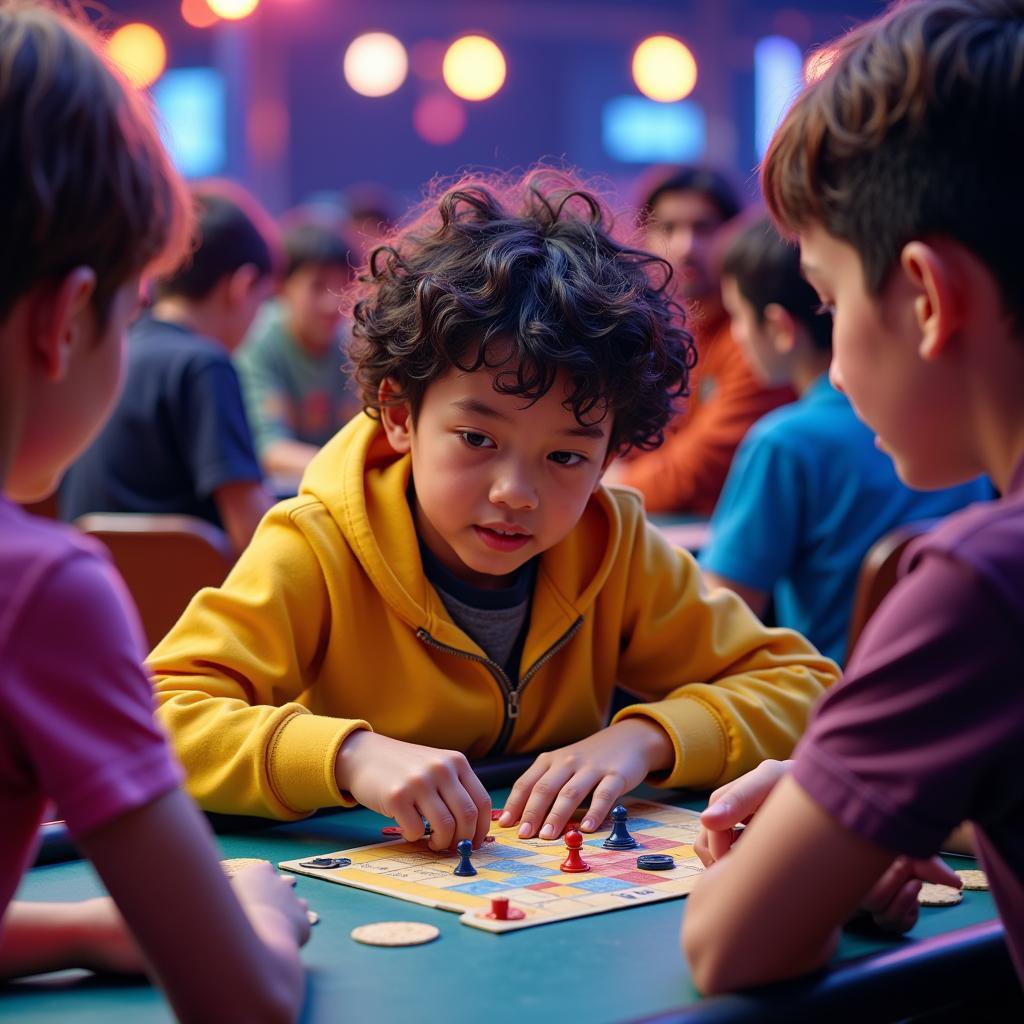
(543, 885)
(638, 877)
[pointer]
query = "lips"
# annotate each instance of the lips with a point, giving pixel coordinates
(503, 537)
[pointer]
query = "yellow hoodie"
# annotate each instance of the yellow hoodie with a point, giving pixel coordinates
(327, 624)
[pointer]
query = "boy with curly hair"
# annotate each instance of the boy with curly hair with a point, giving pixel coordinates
(454, 582)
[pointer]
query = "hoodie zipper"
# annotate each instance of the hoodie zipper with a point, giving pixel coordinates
(512, 694)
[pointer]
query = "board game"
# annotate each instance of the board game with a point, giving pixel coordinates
(527, 871)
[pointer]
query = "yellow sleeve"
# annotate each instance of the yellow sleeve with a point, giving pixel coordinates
(229, 674)
(729, 691)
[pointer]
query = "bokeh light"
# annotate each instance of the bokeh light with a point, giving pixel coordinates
(664, 69)
(197, 13)
(375, 64)
(474, 68)
(818, 63)
(139, 51)
(439, 118)
(233, 10)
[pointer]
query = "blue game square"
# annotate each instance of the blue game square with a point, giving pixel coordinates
(513, 852)
(639, 824)
(481, 887)
(600, 884)
(511, 867)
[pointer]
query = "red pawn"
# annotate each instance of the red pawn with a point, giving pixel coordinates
(573, 842)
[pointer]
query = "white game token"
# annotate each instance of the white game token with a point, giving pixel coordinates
(395, 933)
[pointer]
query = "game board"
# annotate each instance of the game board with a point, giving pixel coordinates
(527, 871)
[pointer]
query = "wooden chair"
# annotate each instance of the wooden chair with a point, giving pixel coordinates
(164, 559)
(878, 573)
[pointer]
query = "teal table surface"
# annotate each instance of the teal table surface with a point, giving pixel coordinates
(613, 967)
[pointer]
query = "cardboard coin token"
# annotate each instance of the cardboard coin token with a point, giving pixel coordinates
(932, 895)
(395, 933)
(974, 879)
(235, 864)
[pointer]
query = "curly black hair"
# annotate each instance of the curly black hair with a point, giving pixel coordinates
(531, 264)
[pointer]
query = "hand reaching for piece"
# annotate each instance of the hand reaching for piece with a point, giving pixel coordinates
(609, 763)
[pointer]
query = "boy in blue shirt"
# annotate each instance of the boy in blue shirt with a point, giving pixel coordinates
(809, 492)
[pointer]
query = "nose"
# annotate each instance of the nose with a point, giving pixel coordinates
(513, 488)
(680, 244)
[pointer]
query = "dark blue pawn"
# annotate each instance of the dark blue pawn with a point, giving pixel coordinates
(464, 848)
(620, 839)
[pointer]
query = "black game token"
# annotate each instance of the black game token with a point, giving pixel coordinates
(655, 862)
(326, 862)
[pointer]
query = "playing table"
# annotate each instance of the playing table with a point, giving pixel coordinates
(614, 967)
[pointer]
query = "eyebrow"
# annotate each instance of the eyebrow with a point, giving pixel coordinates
(473, 405)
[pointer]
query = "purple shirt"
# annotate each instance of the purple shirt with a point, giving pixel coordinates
(927, 730)
(76, 706)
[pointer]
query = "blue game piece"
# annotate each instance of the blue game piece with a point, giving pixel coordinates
(464, 848)
(620, 839)
(655, 862)
(326, 862)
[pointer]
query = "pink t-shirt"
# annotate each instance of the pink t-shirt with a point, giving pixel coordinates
(76, 706)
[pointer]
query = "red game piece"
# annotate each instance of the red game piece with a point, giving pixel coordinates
(496, 813)
(501, 911)
(573, 842)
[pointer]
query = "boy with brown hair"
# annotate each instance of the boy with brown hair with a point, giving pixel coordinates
(454, 574)
(909, 233)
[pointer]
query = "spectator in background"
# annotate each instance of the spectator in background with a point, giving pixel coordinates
(683, 212)
(178, 440)
(296, 394)
(809, 492)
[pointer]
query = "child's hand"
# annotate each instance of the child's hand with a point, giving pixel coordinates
(611, 762)
(264, 893)
(732, 804)
(408, 782)
(892, 901)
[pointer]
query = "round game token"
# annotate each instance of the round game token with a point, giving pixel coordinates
(313, 917)
(233, 865)
(496, 813)
(655, 862)
(390, 830)
(974, 879)
(395, 933)
(933, 895)
(325, 863)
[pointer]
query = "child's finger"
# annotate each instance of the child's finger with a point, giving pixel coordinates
(521, 791)
(936, 870)
(742, 798)
(720, 843)
(900, 914)
(482, 800)
(605, 796)
(570, 796)
(545, 790)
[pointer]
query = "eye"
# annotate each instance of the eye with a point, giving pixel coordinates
(567, 458)
(474, 440)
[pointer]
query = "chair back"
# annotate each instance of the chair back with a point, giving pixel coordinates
(164, 560)
(878, 574)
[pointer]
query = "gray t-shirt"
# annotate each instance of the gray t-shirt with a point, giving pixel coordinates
(927, 730)
(496, 620)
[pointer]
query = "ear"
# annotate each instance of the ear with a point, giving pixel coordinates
(395, 416)
(62, 318)
(781, 328)
(242, 282)
(938, 299)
